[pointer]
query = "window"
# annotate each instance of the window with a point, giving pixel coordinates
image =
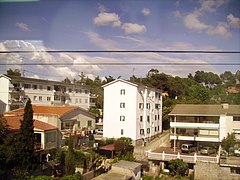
(35, 98)
(51, 137)
(121, 131)
(141, 105)
(148, 119)
(27, 86)
(80, 100)
(122, 118)
(236, 118)
(157, 106)
(148, 130)
(141, 131)
(48, 98)
(70, 90)
(40, 98)
(141, 118)
(148, 105)
(155, 128)
(122, 105)
(79, 124)
(34, 86)
(158, 117)
(122, 91)
(155, 117)
(76, 90)
(89, 123)
(158, 128)
(49, 88)
(40, 87)
(80, 91)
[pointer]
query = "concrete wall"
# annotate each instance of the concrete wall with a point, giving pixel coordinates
(213, 171)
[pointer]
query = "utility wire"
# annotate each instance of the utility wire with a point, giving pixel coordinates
(125, 64)
(125, 51)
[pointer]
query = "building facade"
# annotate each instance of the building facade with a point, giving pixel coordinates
(15, 90)
(199, 124)
(131, 110)
(67, 119)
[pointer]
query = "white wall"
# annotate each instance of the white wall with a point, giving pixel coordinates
(4, 94)
(111, 115)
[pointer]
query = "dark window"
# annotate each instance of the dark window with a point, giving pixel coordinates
(148, 119)
(122, 118)
(141, 131)
(122, 105)
(34, 86)
(236, 118)
(141, 118)
(148, 130)
(141, 106)
(122, 91)
(49, 88)
(121, 131)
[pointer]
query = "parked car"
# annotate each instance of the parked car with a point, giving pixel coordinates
(99, 131)
(187, 148)
(237, 152)
(207, 150)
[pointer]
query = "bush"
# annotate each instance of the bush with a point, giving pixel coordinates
(177, 167)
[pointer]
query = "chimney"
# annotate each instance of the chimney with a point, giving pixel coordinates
(225, 105)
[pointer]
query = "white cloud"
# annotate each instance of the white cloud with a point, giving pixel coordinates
(133, 28)
(101, 42)
(221, 29)
(22, 26)
(192, 22)
(212, 5)
(104, 19)
(146, 11)
(233, 21)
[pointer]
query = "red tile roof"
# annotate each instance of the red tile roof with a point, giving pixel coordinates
(50, 110)
(109, 147)
(14, 123)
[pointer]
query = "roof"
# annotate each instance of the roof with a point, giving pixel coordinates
(14, 123)
(113, 175)
(119, 80)
(21, 78)
(233, 90)
(136, 84)
(109, 147)
(127, 165)
(205, 110)
(47, 110)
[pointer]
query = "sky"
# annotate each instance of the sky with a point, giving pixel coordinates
(118, 25)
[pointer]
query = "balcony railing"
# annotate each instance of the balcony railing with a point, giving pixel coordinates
(186, 158)
(189, 125)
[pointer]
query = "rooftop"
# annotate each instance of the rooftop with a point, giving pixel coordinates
(47, 110)
(14, 124)
(205, 110)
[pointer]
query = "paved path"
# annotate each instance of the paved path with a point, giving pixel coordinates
(162, 140)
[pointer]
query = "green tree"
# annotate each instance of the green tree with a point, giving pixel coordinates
(15, 72)
(25, 140)
(177, 167)
(67, 80)
(70, 159)
(228, 142)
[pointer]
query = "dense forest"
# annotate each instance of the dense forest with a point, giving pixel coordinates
(199, 88)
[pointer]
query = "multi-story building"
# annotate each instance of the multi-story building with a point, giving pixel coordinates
(203, 123)
(131, 110)
(15, 90)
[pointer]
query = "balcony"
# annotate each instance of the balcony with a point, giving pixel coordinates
(38, 147)
(187, 125)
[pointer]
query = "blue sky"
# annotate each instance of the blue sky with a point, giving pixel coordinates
(119, 25)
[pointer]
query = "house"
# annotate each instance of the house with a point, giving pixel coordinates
(203, 123)
(124, 170)
(68, 119)
(131, 110)
(46, 135)
(14, 90)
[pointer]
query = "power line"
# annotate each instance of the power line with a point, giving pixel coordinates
(125, 51)
(126, 64)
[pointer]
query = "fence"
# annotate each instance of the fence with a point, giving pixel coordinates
(186, 158)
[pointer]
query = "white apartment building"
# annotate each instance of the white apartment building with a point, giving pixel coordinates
(203, 123)
(131, 110)
(15, 90)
